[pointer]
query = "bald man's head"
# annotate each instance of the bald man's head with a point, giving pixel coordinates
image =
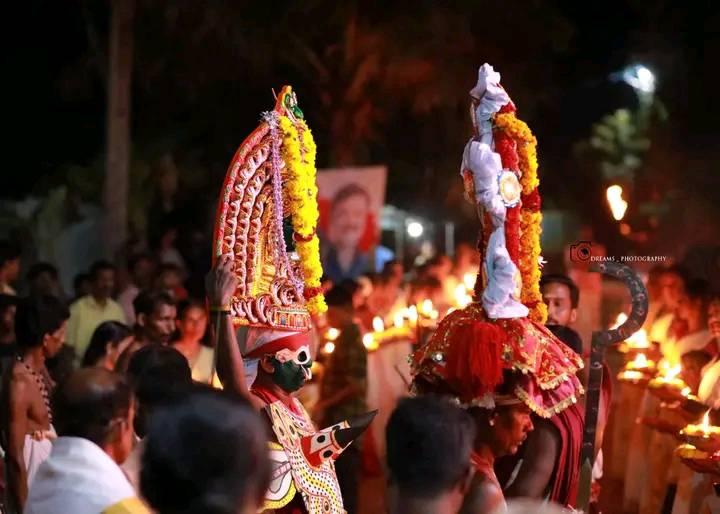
(97, 405)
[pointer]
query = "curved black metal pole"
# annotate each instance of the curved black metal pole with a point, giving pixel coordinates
(600, 341)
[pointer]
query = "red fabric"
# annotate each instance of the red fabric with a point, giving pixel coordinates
(474, 361)
(570, 424)
(484, 467)
(371, 465)
(506, 147)
(289, 342)
(508, 107)
(564, 487)
(269, 397)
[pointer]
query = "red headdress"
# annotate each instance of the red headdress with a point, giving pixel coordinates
(502, 330)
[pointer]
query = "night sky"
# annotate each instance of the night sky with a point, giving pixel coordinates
(55, 92)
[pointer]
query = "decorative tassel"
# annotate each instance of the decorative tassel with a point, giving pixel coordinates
(475, 365)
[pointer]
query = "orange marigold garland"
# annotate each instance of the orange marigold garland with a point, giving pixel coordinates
(508, 126)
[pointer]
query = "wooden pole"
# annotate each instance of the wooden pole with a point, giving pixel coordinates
(116, 185)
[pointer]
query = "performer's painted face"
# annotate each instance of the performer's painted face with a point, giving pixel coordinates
(512, 425)
(292, 368)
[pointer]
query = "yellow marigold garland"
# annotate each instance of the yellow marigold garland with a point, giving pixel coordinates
(298, 152)
(530, 221)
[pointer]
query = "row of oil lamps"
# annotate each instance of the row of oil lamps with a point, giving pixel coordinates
(701, 440)
(408, 323)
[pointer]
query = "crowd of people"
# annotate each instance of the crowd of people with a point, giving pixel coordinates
(683, 326)
(104, 397)
(101, 389)
(125, 352)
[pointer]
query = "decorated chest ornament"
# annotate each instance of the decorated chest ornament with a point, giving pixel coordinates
(502, 331)
(271, 182)
(302, 459)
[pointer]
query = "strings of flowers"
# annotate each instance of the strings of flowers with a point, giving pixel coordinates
(505, 146)
(509, 127)
(298, 151)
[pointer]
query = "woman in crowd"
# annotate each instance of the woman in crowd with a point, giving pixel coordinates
(108, 342)
(192, 325)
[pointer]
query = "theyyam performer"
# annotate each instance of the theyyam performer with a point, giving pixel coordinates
(495, 357)
(263, 292)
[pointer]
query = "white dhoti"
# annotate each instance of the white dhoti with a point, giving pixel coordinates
(35, 451)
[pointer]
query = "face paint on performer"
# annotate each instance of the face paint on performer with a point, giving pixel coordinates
(511, 427)
(291, 369)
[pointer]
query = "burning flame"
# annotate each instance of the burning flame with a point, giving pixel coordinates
(639, 339)
(332, 334)
(469, 281)
(621, 318)
(412, 314)
(618, 206)
(640, 361)
(673, 372)
(426, 307)
(378, 324)
(462, 298)
(399, 319)
(329, 347)
(369, 342)
(706, 422)
(685, 392)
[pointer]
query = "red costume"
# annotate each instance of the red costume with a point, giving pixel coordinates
(502, 331)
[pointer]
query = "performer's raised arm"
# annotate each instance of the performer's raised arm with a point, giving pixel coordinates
(221, 284)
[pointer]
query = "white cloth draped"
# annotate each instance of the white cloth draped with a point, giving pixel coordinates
(491, 98)
(35, 452)
(499, 295)
(78, 477)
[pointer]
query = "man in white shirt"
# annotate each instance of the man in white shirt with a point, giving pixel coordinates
(94, 411)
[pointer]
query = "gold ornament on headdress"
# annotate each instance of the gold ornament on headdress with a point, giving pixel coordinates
(270, 179)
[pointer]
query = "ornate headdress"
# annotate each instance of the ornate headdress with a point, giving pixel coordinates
(270, 181)
(502, 330)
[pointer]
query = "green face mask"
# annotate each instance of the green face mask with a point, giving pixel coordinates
(290, 375)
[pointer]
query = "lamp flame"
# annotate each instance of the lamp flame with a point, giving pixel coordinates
(412, 314)
(621, 318)
(462, 298)
(673, 372)
(378, 324)
(640, 361)
(706, 422)
(469, 281)
(426, 307)
(639, 339)
(369, 342)
(618, 206)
